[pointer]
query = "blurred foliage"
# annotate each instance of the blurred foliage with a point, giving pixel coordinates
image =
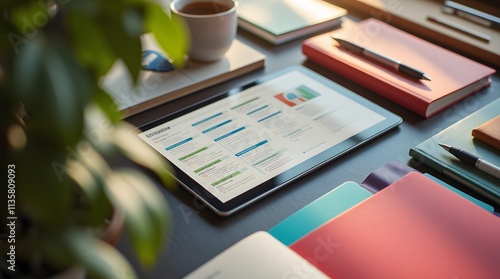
(60, 129)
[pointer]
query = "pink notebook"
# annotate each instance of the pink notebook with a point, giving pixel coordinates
(414, 228)
(453, 77)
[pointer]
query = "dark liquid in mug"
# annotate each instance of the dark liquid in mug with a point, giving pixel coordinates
(204, 8)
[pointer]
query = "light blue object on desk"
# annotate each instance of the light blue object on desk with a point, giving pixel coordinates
(153, 60)
(319, 211)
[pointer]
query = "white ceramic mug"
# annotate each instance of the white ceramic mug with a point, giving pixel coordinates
(212, 25)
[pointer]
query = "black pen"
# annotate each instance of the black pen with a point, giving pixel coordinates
(387, 61)
(473, 160)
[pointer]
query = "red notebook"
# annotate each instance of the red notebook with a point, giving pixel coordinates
(414, 228)
(453, 77)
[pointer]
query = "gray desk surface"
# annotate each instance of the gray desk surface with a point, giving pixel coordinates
(198, 234)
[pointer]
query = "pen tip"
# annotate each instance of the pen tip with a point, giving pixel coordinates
(444, 146)
(425, 77)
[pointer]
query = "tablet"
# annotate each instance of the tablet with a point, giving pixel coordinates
(247, 142)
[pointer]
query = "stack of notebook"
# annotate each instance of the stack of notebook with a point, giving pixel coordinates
(413, 228)
(478, 133)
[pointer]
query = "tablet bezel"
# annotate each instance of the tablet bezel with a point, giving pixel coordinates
(279, 181)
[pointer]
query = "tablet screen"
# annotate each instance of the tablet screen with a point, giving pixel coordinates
(249, 141)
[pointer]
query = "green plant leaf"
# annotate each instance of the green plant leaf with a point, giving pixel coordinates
(169, 31)
(132, 20)
(89, 43)
(30, 16)
(94, 202)
(126, 139)
(53, 88)
(127, 46)
(99, 259)
(146, 214)
(27, 67)
(40, 168)
(107, 105)
(94, 162)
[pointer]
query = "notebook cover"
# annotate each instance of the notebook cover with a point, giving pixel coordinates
(414, 228)
(489, 132)
(279, 21)
(453, 77)
(459, 135)
(258, 255)
(319, 211)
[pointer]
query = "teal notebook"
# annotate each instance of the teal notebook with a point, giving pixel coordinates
(319, 211)
(280, 21)
(459, 135)
(333, 204)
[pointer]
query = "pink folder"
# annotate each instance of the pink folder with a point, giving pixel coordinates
(414, 228)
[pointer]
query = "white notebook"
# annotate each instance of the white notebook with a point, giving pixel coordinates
(259, 255)
(155, 88)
